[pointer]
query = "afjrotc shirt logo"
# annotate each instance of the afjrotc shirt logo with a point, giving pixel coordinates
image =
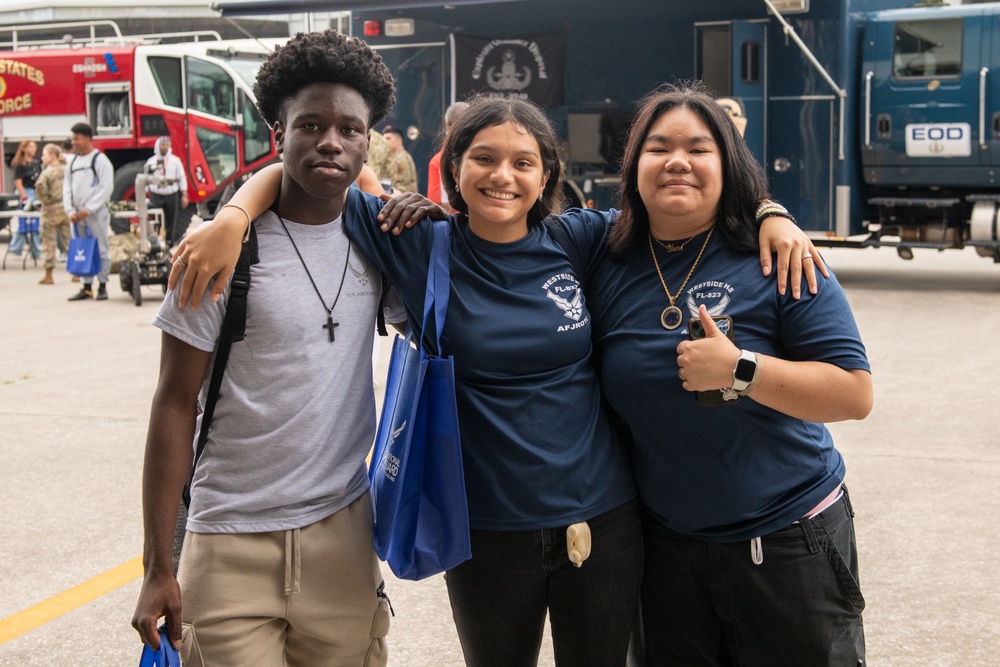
(715, 295)
(564, 291)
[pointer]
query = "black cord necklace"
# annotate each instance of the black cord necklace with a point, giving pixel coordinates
(330, 324)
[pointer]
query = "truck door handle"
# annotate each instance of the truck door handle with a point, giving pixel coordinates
(884, 126)
(982, 107)
(868, 108)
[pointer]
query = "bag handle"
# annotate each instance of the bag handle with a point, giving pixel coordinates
(165, 657)
(438, 283)
(75, 235)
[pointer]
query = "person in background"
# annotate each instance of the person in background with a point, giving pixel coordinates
(168, 187)
(750, 554)
(86, 190)
(26, 171)
(378, 160)
(402, 170)
(368, 181)
(49, 190)
(435, 190)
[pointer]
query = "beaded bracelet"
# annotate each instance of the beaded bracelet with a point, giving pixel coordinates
(778, 213)
(246, 236)
(768, 204)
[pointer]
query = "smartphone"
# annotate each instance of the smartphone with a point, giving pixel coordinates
(695, 331)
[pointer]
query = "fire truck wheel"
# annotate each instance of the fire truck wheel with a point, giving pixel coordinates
(124, 188)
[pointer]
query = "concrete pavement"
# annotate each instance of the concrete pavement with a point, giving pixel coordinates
(76, 380)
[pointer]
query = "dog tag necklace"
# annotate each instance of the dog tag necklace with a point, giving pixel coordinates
(330, 324)
(672, 316)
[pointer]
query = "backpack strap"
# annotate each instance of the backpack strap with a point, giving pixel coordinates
(233, 329)
(559, 235)
(380, 314)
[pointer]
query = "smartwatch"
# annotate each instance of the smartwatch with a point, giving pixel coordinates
(745, 372)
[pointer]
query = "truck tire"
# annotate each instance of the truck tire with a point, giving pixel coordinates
(124, 188)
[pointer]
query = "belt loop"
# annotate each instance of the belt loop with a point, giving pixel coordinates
(847, 499)
(809, 533)
(288, 563)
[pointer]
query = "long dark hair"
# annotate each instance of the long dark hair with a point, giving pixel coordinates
(743, 186)
(484, 112)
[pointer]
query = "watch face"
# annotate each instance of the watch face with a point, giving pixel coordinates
(745, 369)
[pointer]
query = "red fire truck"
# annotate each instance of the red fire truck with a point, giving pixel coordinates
(131, 91)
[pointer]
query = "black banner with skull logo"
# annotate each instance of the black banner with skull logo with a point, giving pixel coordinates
(530, 69)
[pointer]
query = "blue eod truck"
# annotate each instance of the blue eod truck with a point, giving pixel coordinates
(878, 121)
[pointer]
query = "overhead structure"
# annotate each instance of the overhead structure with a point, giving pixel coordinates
(260, 7)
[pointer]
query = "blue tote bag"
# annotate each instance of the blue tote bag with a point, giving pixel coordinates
(83, 257)
(417, 480)
(165, 657)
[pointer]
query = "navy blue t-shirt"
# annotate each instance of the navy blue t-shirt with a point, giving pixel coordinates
(731, 472)
(538, 448)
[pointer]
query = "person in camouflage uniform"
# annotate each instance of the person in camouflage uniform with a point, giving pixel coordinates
(402, 170)
(378, 156)
(49, 191)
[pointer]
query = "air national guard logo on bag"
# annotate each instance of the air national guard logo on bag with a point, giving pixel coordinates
(526, 69)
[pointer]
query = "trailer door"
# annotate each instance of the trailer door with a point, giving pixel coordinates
(732, 62)
(750, 82)
(420, 72)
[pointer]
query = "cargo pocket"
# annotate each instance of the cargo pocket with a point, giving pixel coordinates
(378, 650)
(190, 651)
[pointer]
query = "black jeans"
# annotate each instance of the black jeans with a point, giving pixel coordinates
(708, 604)
(500, 596)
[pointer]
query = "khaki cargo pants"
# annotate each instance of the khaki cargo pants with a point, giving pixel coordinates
(299, 598)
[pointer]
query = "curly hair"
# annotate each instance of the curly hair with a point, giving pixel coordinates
(327, 57)
(485, 112)
(743, 180)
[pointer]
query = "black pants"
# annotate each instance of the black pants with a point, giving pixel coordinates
(709, 604)
(499, 598)
(171, 205)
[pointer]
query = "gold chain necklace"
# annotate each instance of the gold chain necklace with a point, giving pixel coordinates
(672, 316)
(672, 247)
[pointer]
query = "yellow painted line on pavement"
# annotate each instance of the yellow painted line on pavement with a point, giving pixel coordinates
(25, 621)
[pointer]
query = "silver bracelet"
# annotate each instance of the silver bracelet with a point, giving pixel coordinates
(246, 236)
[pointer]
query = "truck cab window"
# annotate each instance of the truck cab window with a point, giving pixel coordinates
(167, 74)
(256, 133)
(210, 89)
(219, 150)
(924, 49)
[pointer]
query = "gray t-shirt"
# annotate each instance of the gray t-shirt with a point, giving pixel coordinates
(296, 412)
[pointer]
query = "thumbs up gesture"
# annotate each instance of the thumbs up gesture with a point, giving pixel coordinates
(707, 363)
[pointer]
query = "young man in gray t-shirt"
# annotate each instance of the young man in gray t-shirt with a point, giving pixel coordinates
(278, 566)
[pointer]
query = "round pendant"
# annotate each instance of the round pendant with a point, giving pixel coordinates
(671, 317)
